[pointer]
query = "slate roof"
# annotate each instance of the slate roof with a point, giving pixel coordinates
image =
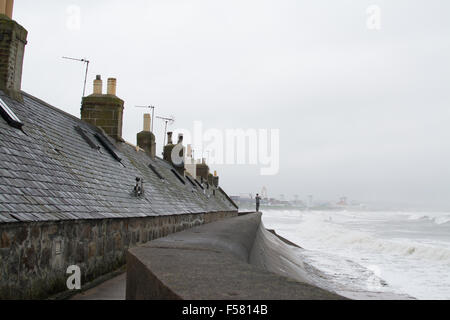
(49, 172)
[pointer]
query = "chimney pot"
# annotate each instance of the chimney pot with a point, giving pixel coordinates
(147, 122)
(9, 6)
(98, 85)
(112, 86)
(6, 7)
(169, 138)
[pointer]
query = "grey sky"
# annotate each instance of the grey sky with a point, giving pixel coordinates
(362, 113)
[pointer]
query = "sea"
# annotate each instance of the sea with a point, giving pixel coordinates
(404, 253)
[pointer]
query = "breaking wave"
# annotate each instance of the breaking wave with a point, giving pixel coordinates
(439, 219)
(404, 248)
(375, 245)
(315, 226)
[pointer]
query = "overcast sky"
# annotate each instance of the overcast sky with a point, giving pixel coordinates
(362, 113)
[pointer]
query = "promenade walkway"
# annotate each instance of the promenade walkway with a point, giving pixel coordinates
(113, 289)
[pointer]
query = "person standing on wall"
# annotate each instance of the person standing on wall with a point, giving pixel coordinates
(258, 202)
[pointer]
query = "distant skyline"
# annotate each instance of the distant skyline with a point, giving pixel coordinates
(362, 113)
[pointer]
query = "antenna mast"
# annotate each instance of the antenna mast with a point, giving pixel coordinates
(170, 120)
(87, 70)
(153, 113)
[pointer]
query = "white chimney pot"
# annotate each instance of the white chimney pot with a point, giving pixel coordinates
(98, 85)
(112, 86)
(147, 122)
(6, 7)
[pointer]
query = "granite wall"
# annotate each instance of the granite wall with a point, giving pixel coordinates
(34, 257)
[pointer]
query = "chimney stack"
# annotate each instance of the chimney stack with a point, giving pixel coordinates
(180, 168)
(13, 38)
(210, 179)
(203, 170)
(98, 85)
(168, 149)
(104, 110)
(112, 86)
(146, 139)
(216, 179)
(167, 155)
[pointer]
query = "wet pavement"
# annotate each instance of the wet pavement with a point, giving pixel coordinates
(113, 289)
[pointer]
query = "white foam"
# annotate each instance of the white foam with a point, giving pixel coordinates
(414, 265)
(442, 220)
(436, 217)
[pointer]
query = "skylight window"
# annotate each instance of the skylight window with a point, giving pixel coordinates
(85, 137)
(192, 182)
(108, 146)
(9, 115)
(198, 183)
(155, 171)
(178, 176)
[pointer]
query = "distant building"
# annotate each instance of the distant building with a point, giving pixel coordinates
(343, 202)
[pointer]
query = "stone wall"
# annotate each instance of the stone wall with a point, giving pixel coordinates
(34, 257)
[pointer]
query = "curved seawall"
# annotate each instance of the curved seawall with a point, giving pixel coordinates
(229, 259)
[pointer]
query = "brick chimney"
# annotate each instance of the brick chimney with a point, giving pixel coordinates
(13, 38)
(180, 168)
(146, 139)
(168, 149)
(167, 155)
(216, 179)
(203, 170)
(104, 110)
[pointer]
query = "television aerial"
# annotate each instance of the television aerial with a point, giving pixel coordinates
(85, 61)
(153, 113)
(168, 121)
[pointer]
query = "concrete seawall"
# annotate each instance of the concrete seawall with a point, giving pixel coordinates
(231, 259)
